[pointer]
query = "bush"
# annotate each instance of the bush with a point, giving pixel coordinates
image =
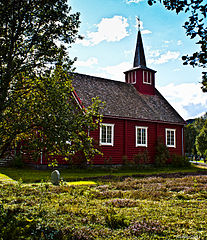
(179, 161)
(18, 161)
(115, 220)
(13, 225)
(162, 153)
(141, 158)
(125, 160)
(146, 226)
(108, 161)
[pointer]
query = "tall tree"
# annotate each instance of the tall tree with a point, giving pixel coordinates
(33, 34)
(191, 133)
(195, 28)
(190, 137)
(45, 116)
(37, 103)
(201, 141)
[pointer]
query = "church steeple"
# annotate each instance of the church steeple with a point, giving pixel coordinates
(139, 57)
(140, 76)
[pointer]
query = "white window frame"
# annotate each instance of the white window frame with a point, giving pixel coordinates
(112, 134)
(134, 79)
(174, 141)
(149, 78)
(146, 136)
(129, 77)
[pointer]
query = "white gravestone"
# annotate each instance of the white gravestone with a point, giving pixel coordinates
(55, 177)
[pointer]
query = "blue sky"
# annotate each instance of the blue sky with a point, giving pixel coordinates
(109, 28)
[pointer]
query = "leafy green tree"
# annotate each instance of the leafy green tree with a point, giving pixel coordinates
(162, 154)
(201, 141)
(45, 116)
(191, 132)
(37, 103)
(33, 37)
(195, 27)
(190, 137)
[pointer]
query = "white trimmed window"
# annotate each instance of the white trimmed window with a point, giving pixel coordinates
(134, 79)
(147, 77)
(170, 137)
(141, 136)
(129, 77)
(107, 134)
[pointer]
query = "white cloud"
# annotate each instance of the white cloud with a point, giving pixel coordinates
(163, 58)
(128, 52)
(133, 1)
(146, 31)
(116, 72)
(179, 42)
(91, 61)
(84, 42)
(177, 70)
(187, 98)
(153, 53)
(109, 29)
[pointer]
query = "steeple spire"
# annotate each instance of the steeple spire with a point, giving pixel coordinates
(139, 57)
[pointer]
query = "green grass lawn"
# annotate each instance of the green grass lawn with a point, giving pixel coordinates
(28, 175)
(146, 208)
(5, 179)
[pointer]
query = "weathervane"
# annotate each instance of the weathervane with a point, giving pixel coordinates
(139, 23)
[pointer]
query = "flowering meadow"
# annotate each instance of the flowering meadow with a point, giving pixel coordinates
(158, 207)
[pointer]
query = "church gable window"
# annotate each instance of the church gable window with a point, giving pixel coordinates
(147, 77)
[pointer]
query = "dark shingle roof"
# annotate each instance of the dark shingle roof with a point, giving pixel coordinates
(123, 100)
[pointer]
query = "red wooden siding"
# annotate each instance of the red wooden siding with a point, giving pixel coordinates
(141, 87)
(125, 142)
(112, 154)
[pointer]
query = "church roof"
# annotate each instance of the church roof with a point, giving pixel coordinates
(122, 100)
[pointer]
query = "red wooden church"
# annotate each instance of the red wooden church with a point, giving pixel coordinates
(135, 114)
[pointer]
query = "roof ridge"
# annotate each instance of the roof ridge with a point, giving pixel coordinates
(101, 78)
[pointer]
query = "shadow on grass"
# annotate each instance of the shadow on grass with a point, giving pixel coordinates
(28, 175)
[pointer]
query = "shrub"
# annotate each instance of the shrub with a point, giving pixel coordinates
(121, 203)
(108, 161)
(141, 158)
(18, 161)
(14, 225)
(162, 153)
(125, 160)
(179, 161)
(145, 226)
(115, 220)
(79, 233)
